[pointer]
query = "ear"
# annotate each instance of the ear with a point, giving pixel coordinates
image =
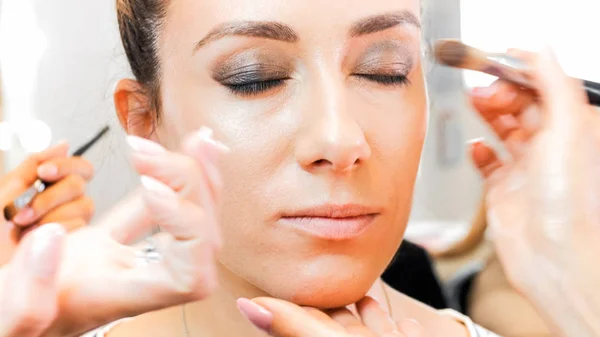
(134, 109)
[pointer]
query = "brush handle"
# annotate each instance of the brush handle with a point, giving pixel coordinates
(593, 92)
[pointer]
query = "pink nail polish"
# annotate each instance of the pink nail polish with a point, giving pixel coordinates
(257, 315)
(474, 141)
(207, 135)
(144, 146)
(484, 92)
(24, 216)
(156, 187)
(47, 170)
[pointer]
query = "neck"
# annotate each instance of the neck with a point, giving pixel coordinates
(218, 315)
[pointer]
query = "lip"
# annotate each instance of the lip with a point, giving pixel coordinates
(332, 222)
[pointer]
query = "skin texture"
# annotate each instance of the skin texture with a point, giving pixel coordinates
(325, 136)
(329, 134)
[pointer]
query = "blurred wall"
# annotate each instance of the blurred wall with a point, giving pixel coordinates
(75, 77)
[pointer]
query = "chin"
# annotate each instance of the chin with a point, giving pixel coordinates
(327, 290)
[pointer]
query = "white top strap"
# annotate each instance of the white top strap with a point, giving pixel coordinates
(105, 329)
(474, 330)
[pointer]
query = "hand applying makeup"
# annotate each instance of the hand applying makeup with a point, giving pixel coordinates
(180, 193)
(543, 203)
(63, 202)
(283, 319)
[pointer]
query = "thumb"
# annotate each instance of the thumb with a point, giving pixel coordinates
(282, 319)
(29, 296)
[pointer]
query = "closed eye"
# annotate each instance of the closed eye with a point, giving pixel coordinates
(387, 80)
(255, 87)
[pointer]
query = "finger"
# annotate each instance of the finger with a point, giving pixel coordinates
(500, 98)
(59, 168)
(24, 175)
(506, 116)
(179, 217)
(29, 301)
(374, 317)
(72, 215)
(62, 192)
(524, 55)
(283, 319)
(324, 318)
(69, 225)
(562, 96)
(410, 328)
(485, 158)
(185, 270)
(129, 220)
(207, 152)
(190, 173)
(351, 323)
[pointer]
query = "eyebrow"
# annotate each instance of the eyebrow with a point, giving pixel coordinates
(378, 23)
(274, 30)
(264, 29)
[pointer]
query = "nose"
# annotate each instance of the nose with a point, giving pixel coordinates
(332, 138)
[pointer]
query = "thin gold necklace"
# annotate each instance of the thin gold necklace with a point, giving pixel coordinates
(185, 325)
(387, 299)
(186, 329)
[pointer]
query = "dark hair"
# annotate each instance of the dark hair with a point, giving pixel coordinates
(140, 22)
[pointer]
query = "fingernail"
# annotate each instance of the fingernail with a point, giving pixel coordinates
(47, 170)
(484, 92)
(474, 141)
(257, 315)
(156, 187)
(24, 216)
(144, 146)
(46, 250)
(206, 134)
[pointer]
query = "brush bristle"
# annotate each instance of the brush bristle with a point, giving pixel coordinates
(450, 52)
(9, 212)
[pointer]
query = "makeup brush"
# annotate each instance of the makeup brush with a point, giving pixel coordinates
(39, 185)
(458, 55)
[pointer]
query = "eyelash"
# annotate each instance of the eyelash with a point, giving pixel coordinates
(255, 88)
(258, 87)
(387, 80)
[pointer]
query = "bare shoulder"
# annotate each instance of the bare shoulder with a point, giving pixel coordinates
(435, 324)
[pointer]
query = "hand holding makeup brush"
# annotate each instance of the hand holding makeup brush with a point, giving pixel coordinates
(103, 278)
(543, 202)
(63, 202)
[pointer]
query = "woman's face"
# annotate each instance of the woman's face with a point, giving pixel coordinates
(323, 106)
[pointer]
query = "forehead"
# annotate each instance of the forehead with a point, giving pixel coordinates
(189, 20)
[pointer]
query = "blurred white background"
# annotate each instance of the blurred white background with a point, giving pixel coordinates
(60, 59)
